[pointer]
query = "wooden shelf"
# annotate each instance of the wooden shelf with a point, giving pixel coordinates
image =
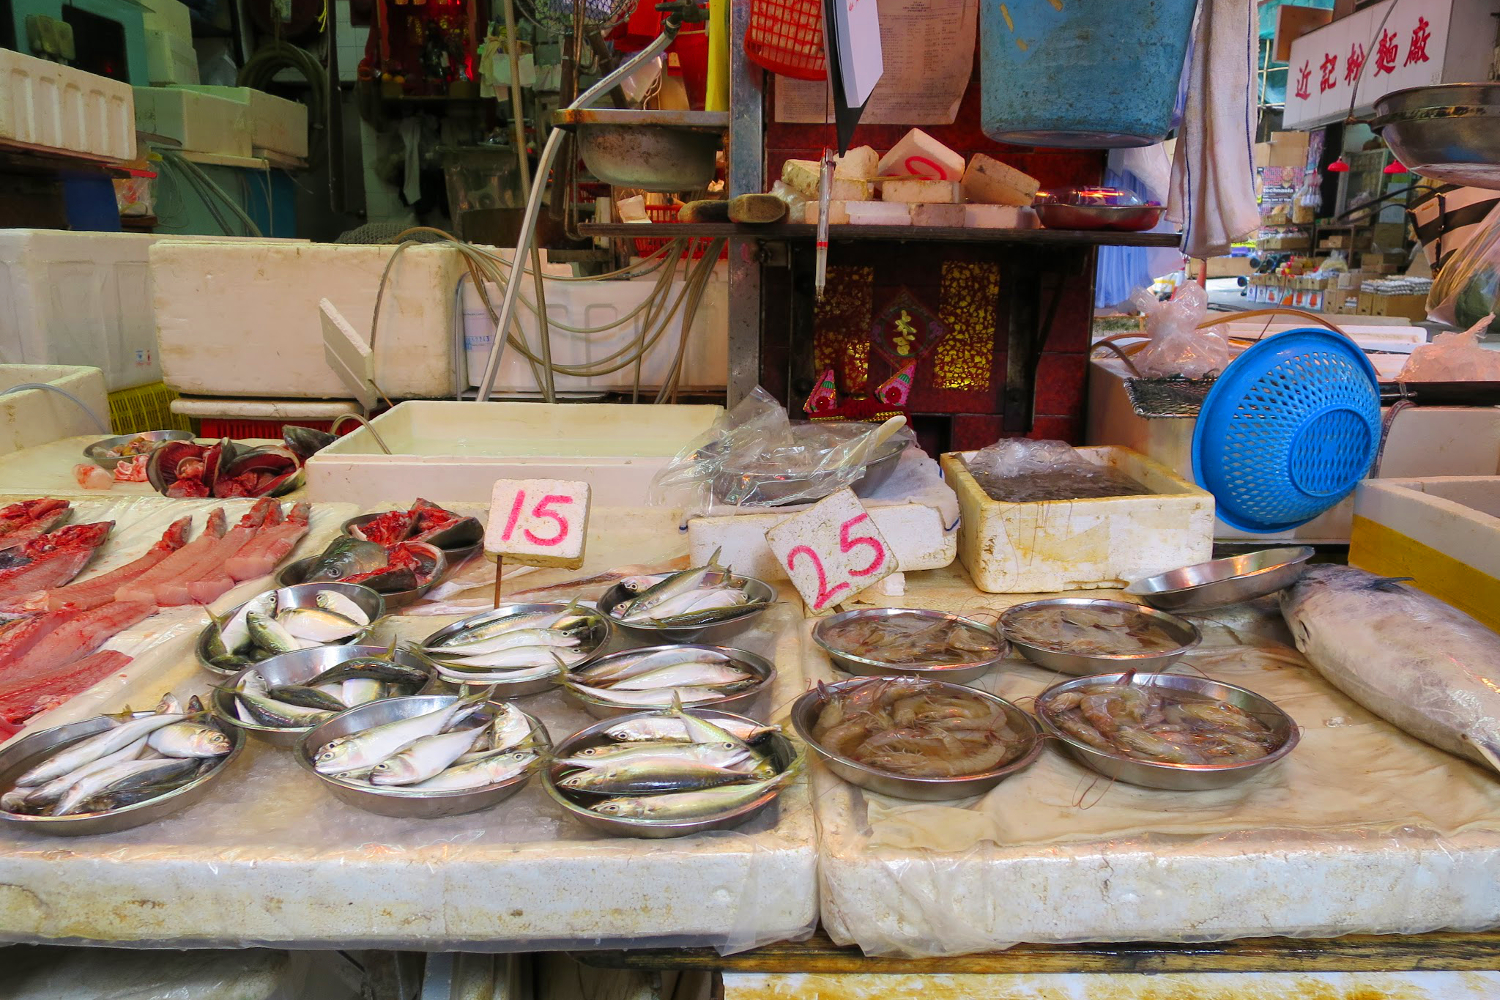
(936, 234)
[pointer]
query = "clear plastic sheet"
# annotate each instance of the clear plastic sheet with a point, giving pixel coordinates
(162, 643)
(270, 858)
(1360, 830)
(1178, 346)
(1468, 285)
(52, 973)
(754, 456)
(1454, 357)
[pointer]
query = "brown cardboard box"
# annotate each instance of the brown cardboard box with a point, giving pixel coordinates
(1388, 235)
(1413, 307)
(1366, 305)
(1228, 267)
(1288, 149)
(1262, 155)
(1382, 258)
(1284, 241)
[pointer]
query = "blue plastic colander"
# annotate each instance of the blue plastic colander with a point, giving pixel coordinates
(1288, 430)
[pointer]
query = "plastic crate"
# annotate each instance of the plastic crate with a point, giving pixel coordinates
(145, 408)
(243, 430)
(668, 213)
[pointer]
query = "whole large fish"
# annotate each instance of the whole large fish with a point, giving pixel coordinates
(1414, 661)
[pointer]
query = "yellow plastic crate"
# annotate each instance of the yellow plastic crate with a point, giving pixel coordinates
(145, 408)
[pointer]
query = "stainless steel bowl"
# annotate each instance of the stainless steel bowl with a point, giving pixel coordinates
(293, 574)
(302, 596)
(1446, 132)
(760, 593)
(1175, 777)
(1219, 583)
(28, 751)
(958, 673)
(739, 700)
(295, 668)
(1119, 218)
(454, 555)
(647, 149)
(782, 752)
(96, 452)
(1185, 632)
(407, 804)
(593, 644)
(805, 714)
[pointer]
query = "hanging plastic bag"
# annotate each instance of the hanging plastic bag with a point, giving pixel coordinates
(1177, 346)
(1468, 284)
(1454, 357)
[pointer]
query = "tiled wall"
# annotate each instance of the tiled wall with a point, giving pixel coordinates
(351, 41)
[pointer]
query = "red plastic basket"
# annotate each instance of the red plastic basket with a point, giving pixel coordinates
(786, 37)
(243, 430)
(668, 213)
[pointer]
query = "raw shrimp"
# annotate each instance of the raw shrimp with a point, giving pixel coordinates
(911, 639)
(1091, 630)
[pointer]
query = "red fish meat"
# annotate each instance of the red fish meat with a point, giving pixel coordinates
(49, 560)
(143, 587)
(65, 682)
(20, 636)
(81, 634)
(58, 685)
(213, 580)
(270, 546)
(100, 590)
(386, 529)
(21, 522)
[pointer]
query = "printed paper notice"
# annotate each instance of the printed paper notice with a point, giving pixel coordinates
(924, 76)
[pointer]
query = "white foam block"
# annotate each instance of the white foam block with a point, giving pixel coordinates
(913, 190)
(879, 213)
(538, 522)
(999, 217)
(988, 181)
(920, 155)
(938, 215)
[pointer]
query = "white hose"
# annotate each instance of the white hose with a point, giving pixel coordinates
(104, 427)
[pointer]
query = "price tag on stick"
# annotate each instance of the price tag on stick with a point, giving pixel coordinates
(537, 522)
(832, 550)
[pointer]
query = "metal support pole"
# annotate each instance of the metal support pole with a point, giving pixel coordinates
(746, 176)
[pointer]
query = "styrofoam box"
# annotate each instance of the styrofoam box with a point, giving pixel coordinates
(200, 122)
(457, 450)
(1442, 533)
(80, 298)
(592, 304)
(52, 106)
(34, 417)
(242, 319)
(170, 17)
(275, 123)
(1054, 545)
(1423, 441)
(170, 59)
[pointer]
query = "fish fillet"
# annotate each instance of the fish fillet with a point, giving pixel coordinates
(65, 682)
(50, 560)
(21, 522)
(101, 589)
(209, 579)
(18, 639)
(179, 563)
(1413, 660)
(73, 640)
(273, 544)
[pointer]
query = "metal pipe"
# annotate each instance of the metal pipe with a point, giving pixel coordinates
(338, 422)
(527, 233)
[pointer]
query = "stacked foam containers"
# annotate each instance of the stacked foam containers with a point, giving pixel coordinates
(49, 106)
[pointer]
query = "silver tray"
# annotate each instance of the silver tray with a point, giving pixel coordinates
(805, 715)
(1176, 777)
(293, 573)
(957, 673)
(1219, 583)
(594, 643)
(1093, 663)
(783, 753)
(301, 596)
(30, 750)
(95, 452)
(760, 593)
(739, 700)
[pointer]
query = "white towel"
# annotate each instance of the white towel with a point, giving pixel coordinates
(1213, 180)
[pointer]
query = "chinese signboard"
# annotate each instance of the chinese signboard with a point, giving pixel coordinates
(1380, 50)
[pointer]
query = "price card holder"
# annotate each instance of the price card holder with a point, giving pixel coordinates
(537, 522)
(832, 550)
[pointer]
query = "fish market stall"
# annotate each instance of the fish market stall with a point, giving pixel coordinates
(272, 856)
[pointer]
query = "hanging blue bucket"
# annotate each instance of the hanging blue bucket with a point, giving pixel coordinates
(1081, 73)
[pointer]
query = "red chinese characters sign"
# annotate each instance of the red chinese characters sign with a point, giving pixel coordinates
(1352, 62)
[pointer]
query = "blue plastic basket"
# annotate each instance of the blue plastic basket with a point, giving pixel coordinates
(1288, 430)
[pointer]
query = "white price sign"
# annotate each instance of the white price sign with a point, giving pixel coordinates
(832, 550)
(538, 522)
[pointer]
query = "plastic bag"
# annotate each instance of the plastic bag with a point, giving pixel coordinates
(1454, 357)
(1467, 285)
(1177, 346)
(754, 456)
(1013, 457)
